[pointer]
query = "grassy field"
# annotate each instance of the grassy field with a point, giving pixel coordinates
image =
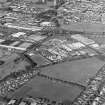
(9, 65)
(42, 87)
(77, 71)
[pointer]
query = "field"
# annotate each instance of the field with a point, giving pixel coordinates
(9, 65)
(77, 71)
(41, 87)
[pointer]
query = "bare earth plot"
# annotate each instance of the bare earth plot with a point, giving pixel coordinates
(77, 71)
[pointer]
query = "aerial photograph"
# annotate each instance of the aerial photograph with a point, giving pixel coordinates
(52, 52)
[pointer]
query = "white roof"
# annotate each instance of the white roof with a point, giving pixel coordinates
(83, 39)
(1, 40)
(46, 24)
(76, 45)
(95, 45)
(22, 103)
(66, 47)
(18, 34)
(34, 103)
(11, 102)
